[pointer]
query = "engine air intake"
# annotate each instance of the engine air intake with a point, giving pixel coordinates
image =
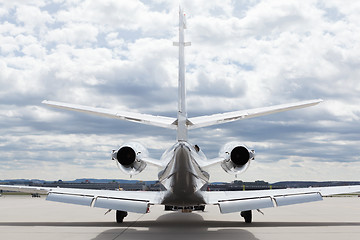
(126, 156)
(240, 156)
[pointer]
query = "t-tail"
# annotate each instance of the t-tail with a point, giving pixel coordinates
(182, 123)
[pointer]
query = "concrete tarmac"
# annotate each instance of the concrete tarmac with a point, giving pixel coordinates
(23, 217)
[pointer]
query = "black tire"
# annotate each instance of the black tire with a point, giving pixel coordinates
(247, 215)
(202, 208)
(168, 208)
(120, 215)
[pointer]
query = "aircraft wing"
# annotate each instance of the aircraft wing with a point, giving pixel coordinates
(130, 201)
(159, 121)
(205, 121)
(237, 201)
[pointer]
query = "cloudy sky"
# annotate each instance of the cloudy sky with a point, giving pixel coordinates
(119, 55)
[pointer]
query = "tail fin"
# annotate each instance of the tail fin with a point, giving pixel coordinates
(182, 131)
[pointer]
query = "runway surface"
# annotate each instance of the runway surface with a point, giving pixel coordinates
(23, 217)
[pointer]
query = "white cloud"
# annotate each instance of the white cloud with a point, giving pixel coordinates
(32, 18)
(76, 34)
(119, 55)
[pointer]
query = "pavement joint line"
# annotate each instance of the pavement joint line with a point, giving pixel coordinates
(132, 224)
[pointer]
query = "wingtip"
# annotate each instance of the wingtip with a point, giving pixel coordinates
(319, 100)
(46, 102)
(315, 101)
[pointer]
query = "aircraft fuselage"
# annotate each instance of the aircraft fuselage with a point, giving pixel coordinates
(183, 177)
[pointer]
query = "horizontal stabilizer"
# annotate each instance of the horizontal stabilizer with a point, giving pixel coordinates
(159, 121)
(204, 121)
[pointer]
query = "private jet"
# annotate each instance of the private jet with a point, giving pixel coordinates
(183, 167)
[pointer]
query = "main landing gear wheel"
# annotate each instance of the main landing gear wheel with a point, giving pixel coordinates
(247, 215)
(120, 215)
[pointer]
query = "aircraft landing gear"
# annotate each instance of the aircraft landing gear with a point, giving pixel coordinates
(168, 208)
(247, 215)
(120, 215)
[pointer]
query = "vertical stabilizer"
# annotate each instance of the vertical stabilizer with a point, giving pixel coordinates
(182, 131)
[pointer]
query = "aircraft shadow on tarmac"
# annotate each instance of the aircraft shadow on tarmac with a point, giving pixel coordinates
(190, 226)
(179, 226)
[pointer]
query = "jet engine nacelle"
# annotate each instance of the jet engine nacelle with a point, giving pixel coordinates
(129, 158)
(237, 157)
